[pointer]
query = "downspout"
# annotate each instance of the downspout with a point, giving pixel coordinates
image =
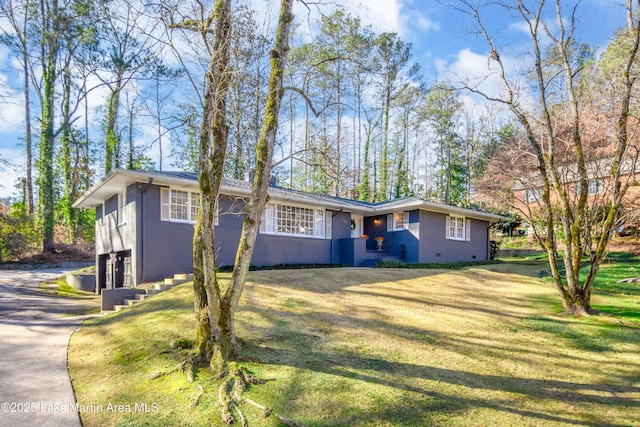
(333, 215)
(141, 224)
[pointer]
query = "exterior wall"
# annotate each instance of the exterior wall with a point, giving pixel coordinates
(599, 199)
(353, 253)
(404, 244)
(112, 234)
(435, 247)
(273, 249)
(162, 248)
(166, 247)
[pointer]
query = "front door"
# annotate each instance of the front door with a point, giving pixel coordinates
(356, 226)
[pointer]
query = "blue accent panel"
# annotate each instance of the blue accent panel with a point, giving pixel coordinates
(353, 253)
(341, 230)
(401, 244)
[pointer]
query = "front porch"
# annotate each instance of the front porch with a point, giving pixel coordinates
(354, 253)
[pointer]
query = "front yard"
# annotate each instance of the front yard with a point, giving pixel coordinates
(347, 347)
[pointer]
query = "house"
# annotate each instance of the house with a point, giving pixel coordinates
(144, 228)
(528, 192)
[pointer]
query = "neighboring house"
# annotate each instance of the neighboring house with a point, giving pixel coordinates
(144, 228)
(528, 196)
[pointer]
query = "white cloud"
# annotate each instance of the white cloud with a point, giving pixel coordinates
(383, 15)
(426, 24)
(477, 71)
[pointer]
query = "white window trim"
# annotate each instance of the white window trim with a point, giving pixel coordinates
(165, 205)
(595, 186)
(460, 233)
(533, 195)
(394, 225)
(357, 226)
(122, 202)
(322, 222)
(104, 210)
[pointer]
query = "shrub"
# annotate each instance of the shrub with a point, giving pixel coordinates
(19, 233)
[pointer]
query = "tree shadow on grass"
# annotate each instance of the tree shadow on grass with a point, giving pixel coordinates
(422, 402)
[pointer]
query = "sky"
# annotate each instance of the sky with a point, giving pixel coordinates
(442, 39)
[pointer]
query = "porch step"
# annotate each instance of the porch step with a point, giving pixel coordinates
(168, 283)
(377, 256)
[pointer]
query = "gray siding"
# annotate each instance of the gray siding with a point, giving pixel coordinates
(161, 248)
(273, 249)
(113, 234)
(435, 247)
(167, 247)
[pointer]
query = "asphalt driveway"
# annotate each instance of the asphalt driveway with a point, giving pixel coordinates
(35, 389)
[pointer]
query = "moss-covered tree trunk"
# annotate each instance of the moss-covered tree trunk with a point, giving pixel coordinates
(50, 48)
(212, 151)
(216, 301)
(112, 136)
(259, 194)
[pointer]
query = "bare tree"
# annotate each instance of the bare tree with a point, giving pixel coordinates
(556, 127)
(216, 300)
(17, 14)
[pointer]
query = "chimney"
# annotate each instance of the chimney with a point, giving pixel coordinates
(250, 175)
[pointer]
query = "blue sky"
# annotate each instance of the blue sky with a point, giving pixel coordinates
(441, 39)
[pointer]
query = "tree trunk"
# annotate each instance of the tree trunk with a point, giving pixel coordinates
(259, 193)
(49, 48)
(27, 122)
(112, 139)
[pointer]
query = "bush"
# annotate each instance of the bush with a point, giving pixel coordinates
(19, 233)
(445, 265)
(494, 246)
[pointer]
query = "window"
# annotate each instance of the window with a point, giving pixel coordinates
(296, 221)
(398, 221)
(533, 195)
(103, 213)
(458, 228)
(179, 205)
(122, 201)
(195, 207)
(595, 186)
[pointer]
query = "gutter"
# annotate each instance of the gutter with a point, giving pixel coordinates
(234, 188)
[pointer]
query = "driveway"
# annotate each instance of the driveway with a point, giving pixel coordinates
(35, 389)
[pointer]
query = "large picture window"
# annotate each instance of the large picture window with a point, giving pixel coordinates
(458, 228)
(295, 221)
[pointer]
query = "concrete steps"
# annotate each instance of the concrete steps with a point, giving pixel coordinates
(168, 283)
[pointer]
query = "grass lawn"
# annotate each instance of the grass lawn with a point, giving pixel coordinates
(379, 347)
